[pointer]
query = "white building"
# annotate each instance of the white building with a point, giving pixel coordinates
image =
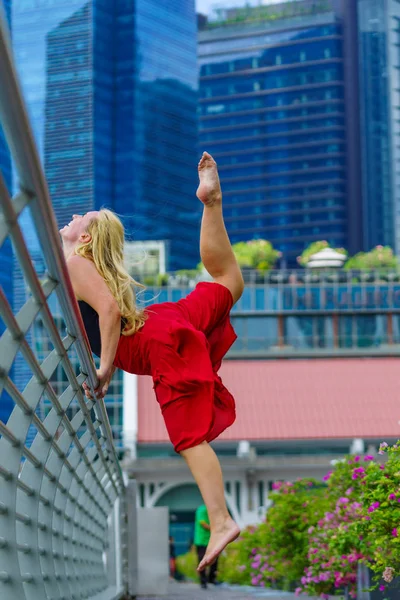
(294, 418)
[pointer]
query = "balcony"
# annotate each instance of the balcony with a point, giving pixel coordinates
(295, 314)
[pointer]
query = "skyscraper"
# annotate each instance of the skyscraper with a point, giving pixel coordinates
(120, 122)
(111, 88)
(5, 169)
(379, 67)
(274, 111)
(6, 254)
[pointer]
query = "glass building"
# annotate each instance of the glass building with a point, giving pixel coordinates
(6, 254)
(121, 126)
(379, 68)
(5, 169)
(273, 111)
(111, 89)
(112, 93)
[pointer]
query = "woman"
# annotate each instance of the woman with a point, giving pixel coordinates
(180, 344)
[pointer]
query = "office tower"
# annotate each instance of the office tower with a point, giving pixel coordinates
(6, 254)
(111, 88)
(278, 110)
(112, 93)
(379, 68)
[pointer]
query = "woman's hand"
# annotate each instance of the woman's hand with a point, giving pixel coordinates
(104, 378)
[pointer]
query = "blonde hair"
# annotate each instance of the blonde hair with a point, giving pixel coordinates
(106, 250)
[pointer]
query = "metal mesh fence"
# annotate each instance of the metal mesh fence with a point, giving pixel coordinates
(62, 494)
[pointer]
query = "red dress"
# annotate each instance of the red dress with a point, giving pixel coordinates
(181, 345)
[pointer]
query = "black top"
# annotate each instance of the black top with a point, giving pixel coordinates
(91, 323)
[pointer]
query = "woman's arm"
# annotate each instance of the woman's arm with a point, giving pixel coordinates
(89, 286)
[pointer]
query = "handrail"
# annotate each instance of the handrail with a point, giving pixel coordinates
(63, 499)
(19, 136)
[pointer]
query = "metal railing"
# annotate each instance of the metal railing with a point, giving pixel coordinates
(63, 501)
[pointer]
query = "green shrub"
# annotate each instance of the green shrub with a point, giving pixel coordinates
(187, 563)
(315, 536)
(381, 257)
(274, 554)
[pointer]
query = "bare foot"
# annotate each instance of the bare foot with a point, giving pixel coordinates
(220, 538)
(209, 190)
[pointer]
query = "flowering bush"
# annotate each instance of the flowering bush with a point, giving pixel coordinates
(315, 538)
(380, 257)
(364, 525)
(275, 553)
(329, 569)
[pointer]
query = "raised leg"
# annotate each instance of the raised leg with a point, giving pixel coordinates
(215, 248)
(219, 260)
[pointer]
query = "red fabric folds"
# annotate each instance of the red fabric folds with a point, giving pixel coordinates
(181, 346)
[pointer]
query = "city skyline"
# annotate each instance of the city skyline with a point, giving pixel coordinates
(272, 110)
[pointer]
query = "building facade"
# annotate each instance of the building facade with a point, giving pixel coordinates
(5, 169)
(6, 254)
(274, 110)
(120, 118)
(295, 314)
(379, 64)
(111, 89)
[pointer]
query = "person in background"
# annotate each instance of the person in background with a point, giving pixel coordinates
(202, 535)
(172, 557)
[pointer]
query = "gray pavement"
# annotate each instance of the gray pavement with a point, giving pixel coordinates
(191, 591)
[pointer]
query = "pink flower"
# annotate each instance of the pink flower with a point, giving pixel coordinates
(388, 575)
(298, 591)
(368, 458)
(381, 588)
(394, 532)
(328, 476)
(373, 507)
(382, 447)
(359, 471)
(343, 500)
(392, 497)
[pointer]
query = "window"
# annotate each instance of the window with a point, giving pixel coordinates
(303, 56)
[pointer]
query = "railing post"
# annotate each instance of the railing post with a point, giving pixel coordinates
(363, 582)
(132, 554)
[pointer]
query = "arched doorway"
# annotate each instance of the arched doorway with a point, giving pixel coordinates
(182, 501)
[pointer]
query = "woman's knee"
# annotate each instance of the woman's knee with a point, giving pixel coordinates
(234, 282)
